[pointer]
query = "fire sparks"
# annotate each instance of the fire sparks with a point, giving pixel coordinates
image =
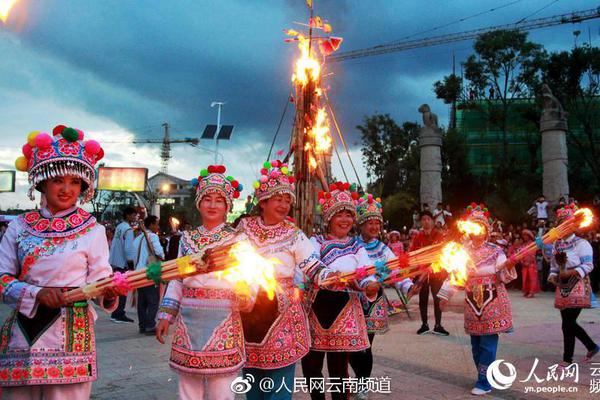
(587, 218)
(470, 228)
(306, 67)
(455, 260)
(5, 7)
(250, 269)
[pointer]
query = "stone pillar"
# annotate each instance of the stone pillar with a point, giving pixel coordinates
(553, 128)
(430, 144)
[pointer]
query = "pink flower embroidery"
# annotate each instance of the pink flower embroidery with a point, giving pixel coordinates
(68, 370)
(46, 153)
(41, 225)
(59, 225)
(53, 372)
(31, 217)
(75, 220)
(70, 148)
(82, 370)
(37, 372)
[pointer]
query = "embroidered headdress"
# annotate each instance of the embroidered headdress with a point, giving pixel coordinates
(63, 153)
(479, 213)
(567, 211)
(368, 208)
(213, 180)
(275, 178)
(341, 196)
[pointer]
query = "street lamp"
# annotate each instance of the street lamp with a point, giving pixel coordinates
(221, 132)
(219, 104)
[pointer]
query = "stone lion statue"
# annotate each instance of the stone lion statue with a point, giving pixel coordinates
(429, 119)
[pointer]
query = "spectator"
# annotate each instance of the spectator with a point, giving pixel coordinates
(440, 215)
(394, 243)
(415, 217)
(3, 227)
(148, 250)
(122, 255)
(249, 204)
(425, 237)
(541, 206)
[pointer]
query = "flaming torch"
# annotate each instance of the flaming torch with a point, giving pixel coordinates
(5, 7)
(582, 219)
(248, 269)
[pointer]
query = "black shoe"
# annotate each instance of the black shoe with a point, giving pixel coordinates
(439, 330)
(120, 320)
(423, 329)
(150, 331)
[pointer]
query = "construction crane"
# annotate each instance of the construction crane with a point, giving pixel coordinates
(166, 141)
(570, 18)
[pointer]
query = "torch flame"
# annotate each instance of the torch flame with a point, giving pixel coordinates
(5, 6)
(470, 228)
(306, 66)
(250, 269)
(587, 218)
(455, 260)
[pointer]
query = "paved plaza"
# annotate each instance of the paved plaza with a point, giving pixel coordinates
(133, 366)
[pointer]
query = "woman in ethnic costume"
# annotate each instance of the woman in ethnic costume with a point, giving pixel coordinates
(208, 346)
(487, 310)
(47, 347)
(570, 266)
(276, 331)
(370, 221)
(336, 318)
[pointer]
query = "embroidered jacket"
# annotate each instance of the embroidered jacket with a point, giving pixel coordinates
(337, 321)
(580, 255)
(276, 331)
(38, 345)
(376, 315)
(208, 335)
(488, 309)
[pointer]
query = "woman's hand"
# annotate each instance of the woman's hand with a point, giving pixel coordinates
(110, 293)
(162, 329)
(553, 280)
(564, 275)
(51, 297)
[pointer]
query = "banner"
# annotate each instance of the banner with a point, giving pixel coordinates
(122, 179)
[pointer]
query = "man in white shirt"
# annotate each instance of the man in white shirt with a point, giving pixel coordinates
(541, 206)
(147, 247)
(440, 215)
(121, 256)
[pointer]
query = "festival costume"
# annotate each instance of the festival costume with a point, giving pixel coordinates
(487, 309)
(208, 344)
(336, 318)
(276, 331)
(40, 346)
(574, 294)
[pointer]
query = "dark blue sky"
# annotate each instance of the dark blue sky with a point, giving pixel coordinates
(119, 69)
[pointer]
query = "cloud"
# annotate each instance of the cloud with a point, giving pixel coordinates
(120, 69)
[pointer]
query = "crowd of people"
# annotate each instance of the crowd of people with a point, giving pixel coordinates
(328, 306)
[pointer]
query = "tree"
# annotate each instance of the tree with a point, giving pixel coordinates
(505, 67)
(574, 78)
(388, 154)
(450, 91)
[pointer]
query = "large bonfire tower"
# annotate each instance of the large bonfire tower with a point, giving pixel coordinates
(311, 141)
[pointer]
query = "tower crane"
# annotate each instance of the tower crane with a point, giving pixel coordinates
(166, 141)
(569, 18)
